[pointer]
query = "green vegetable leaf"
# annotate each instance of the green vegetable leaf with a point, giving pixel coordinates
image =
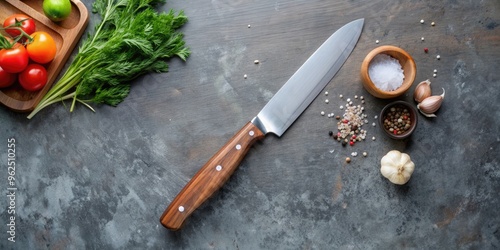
(132, 39)
(112, 95)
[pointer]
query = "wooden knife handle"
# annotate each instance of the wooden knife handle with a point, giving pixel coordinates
(210, 177)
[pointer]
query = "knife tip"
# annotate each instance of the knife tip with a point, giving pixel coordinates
(359, 22)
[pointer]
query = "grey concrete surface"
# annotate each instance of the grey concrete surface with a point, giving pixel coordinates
(101, 180)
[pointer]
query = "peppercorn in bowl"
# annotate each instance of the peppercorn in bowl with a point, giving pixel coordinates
(398, 120)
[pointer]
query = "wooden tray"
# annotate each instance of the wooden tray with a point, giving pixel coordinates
(66, 35)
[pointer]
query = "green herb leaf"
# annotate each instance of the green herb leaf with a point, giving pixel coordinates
(132, 39)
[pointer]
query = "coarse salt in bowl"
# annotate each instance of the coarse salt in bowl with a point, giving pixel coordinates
(388, 72)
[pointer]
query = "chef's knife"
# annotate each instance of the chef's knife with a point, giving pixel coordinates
(278, 114)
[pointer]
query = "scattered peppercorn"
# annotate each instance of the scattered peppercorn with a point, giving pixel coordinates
(347, 159)
(426, 50)
(350, 123)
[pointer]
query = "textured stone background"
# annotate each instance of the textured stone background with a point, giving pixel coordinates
(101, 180)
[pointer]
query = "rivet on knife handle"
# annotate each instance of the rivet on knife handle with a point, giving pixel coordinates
(210, 177)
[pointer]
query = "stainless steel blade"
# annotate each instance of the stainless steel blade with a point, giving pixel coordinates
(308, 81)
(278, 114)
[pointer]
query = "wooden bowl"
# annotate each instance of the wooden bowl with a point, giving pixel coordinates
(407, 63)
(413, 117)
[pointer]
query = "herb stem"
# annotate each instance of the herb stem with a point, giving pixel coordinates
(132, 39)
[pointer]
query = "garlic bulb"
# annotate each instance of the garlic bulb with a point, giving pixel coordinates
(431, 104)
(422, 91)
(397, 167)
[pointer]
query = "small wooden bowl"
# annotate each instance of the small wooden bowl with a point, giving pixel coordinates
(413, 119)
(407, 63)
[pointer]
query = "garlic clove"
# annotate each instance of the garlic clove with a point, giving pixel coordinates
(425, 114)
(431, 104)
(422, 91)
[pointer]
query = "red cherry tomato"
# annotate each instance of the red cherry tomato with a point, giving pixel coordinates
(6, 78)
(15, 59)
(26, 23)
(33, 78)
(43, 47)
